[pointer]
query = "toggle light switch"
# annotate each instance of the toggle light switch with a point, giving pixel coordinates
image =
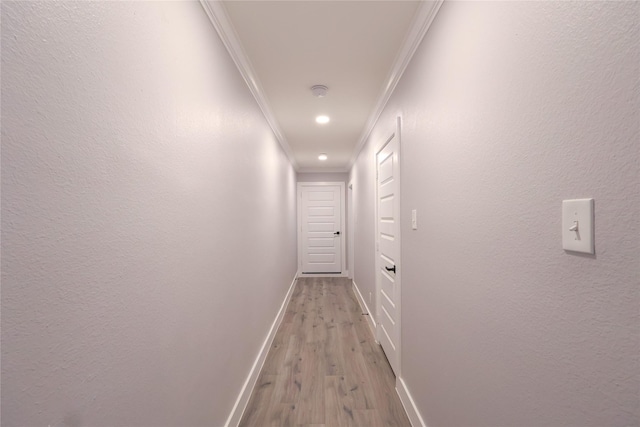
(577, 225)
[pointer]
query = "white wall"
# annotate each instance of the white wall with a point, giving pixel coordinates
(508, 108)
(322, 177)
(363, 177)
(148, 217)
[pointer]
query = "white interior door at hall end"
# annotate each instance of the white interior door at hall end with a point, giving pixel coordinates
(321, 235)
(387, 257)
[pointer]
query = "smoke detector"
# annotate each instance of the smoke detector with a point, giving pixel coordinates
(319, 91)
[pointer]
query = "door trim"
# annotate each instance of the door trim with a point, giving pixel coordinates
(393, 131)
(343, 254)
(351, 232)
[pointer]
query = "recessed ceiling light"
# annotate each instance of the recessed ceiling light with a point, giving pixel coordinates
(322, 157)
(322, 119)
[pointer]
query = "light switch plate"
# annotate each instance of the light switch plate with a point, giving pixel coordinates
(577, 225)
(414, 219)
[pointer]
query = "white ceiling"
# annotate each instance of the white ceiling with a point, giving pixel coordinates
(356, 48)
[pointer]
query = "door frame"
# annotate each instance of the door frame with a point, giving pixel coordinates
(351, 227)
(343, 254)
(393, 131)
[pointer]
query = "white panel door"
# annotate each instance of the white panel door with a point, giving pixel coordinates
(321, 219)
(388, 250)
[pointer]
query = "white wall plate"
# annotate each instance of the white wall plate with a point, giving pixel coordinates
(577, 225)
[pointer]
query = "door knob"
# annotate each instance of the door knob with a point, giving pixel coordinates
(337, 233)
(391, 269)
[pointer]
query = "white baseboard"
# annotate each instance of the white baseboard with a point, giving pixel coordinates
(364, 307)
(409, 404)
(245, 393)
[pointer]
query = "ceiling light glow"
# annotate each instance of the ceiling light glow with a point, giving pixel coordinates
(322, 119)
(322, 157)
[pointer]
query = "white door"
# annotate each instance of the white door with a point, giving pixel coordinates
(388, 250)
(321, 228)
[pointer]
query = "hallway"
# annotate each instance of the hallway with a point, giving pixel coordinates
(150, 218)
(324, 367)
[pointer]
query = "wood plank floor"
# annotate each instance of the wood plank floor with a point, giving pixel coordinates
(324, 367)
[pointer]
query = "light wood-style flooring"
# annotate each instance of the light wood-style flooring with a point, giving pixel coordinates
(324, 367)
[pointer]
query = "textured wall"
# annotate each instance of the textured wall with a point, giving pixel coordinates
(148, 217)
(363, 177)
(508, 109)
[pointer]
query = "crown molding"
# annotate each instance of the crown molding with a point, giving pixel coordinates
(419, 27)
(220, 20)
